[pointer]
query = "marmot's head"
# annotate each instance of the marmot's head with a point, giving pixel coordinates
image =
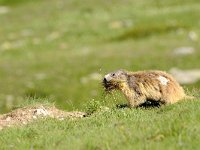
(114, 79)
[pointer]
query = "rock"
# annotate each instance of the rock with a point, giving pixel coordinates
(193, 36)
(41, 111)
(4, 9)
(186, 76)
(184, 51)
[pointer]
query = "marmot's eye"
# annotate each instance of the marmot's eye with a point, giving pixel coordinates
(113, 74)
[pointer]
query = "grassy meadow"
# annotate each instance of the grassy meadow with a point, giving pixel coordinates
(59, 49)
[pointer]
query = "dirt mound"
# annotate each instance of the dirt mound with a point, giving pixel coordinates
(25, 115)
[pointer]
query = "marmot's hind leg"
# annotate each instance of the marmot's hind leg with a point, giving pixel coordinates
(168, 100)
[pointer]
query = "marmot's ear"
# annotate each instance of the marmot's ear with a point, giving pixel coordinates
(119, 72)
(122, 70)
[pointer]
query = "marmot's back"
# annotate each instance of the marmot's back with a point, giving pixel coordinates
(156, 85)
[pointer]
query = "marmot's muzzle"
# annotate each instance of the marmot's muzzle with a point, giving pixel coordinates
(105, 83)
(108, 85)
(104, 80)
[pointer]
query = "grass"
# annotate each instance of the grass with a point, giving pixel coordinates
(169, 127)
(53, 50)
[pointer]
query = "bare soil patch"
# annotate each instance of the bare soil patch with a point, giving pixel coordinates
(22, 116)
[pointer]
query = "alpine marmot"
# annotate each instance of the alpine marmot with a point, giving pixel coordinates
(139, 87)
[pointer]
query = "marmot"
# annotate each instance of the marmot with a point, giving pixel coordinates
(139, 87)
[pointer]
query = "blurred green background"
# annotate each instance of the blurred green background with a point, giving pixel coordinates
(60, 49)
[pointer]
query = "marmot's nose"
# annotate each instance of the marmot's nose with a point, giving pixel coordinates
(104, 80)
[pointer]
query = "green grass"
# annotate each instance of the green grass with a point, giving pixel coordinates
(50, 49)
(169, 127)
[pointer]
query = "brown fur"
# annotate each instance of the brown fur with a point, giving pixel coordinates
(138, 87)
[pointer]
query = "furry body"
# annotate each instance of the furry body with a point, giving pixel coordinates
(138, 87)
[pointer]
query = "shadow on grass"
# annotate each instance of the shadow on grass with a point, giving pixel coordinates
(147, 104)
(145, 31)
